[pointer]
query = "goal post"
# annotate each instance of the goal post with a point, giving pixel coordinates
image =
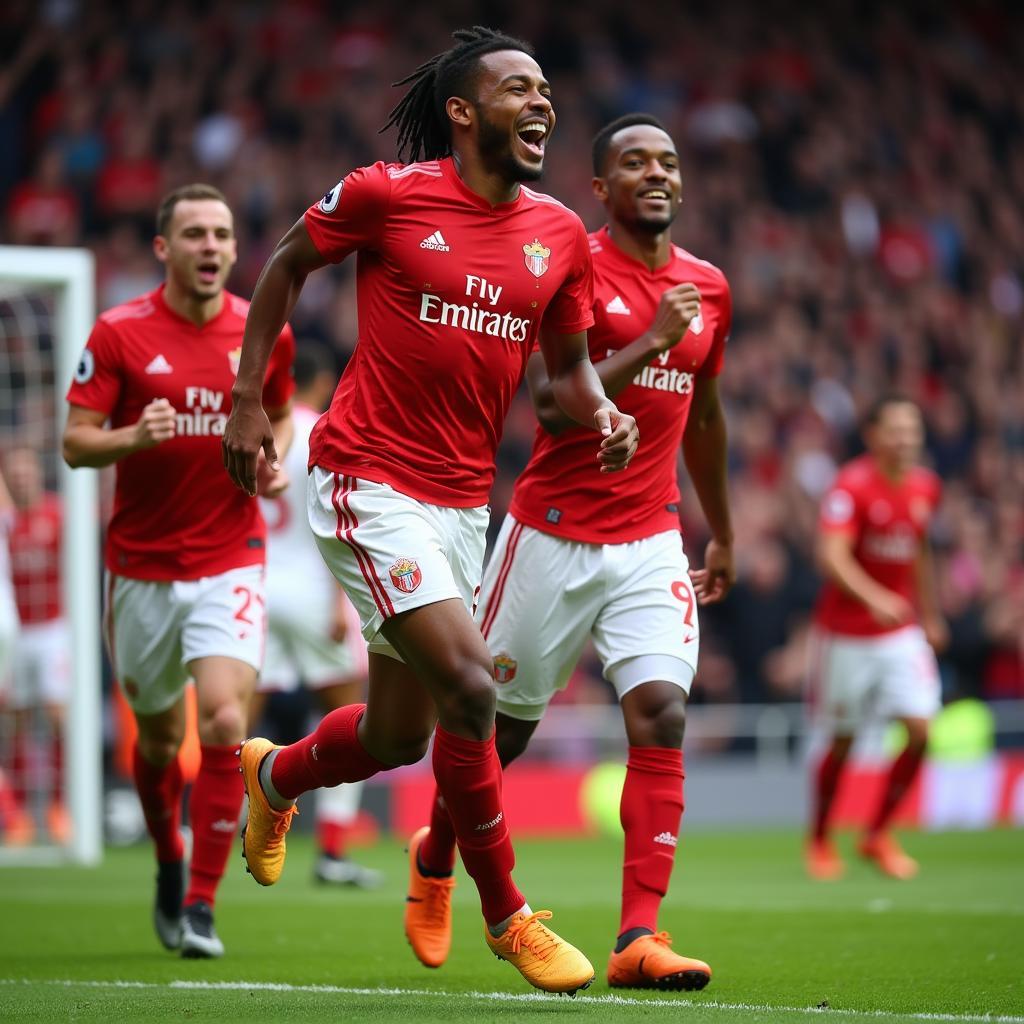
(66, 278)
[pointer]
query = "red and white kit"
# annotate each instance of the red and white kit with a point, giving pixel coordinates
(8, 606)
(860, 668)
(301, 593)
(185, 548)
(41, 669)
(583, 553)
(452, 293)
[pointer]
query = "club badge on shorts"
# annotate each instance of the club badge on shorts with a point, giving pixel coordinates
(406, 575)
(537, 257)
(504, 668)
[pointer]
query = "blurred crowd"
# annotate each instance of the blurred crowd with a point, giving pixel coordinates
(855, 168)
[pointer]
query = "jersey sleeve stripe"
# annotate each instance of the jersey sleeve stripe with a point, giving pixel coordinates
(347, 524)
(432, 170)
(540, 197)
(499, 589)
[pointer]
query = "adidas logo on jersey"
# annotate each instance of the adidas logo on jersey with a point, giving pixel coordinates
(618, 306)
(436, 242)
(666, 839)
(159, 365)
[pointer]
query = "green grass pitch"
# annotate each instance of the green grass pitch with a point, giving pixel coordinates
(78, 945)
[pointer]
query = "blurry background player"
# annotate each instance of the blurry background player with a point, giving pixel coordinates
(582, 555)
(185, 550)
(12, 813)
(878, 623)
(313, 633)
(41, 671)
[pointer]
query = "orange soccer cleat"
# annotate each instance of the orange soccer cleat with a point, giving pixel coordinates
(822, 860)
(20, 829)
(544, 959)
(887, 853)
(428, 910)
(58, 823)
(263, 844)
(650, 962)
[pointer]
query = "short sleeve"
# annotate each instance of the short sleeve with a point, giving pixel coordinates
(279, 383)
(98, 379)
(712, 365)
(351, 216)
(571, 309)
(839, 513)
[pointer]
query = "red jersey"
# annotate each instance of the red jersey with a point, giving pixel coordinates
(177, 515)
(35, 543)
(452, 293)
(562, 490)
(888, 520)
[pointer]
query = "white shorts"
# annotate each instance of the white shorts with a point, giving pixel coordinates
(391, 552)
(40, 666)
(854, 679)
(153, 630)
(543, 596)
(9, 629)
(300, 648)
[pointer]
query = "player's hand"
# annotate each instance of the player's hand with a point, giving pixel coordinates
(270, 483)
(889, 610)
(156, 424)
(715, 580)
(677, 308)
(247, 431)
(936, 632)
(620, 438)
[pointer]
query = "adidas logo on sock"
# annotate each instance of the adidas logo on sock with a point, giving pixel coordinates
(666, 839)
(159, 365)
(435, 241)
(223, 825)
(618, 306)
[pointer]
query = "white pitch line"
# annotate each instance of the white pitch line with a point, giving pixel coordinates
(515, 997)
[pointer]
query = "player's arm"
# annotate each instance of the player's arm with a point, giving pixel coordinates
(277, 290)
(932, 620)
(678, 306)
(87, 442)
(576, 389)
(704, 451)
(838, 563)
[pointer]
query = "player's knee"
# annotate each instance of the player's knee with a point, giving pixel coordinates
(665, 723)
(222, 725)
(470, 702)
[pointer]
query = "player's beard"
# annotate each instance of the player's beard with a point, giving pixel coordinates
(654, 225)
(496, 152)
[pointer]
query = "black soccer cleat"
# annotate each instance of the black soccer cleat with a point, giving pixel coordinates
(170, 892)
(199, 940)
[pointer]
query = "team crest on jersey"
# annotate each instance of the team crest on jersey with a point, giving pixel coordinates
(505, 668)
(537, 256)
(697, 324)
(235, 358)
(406, 575)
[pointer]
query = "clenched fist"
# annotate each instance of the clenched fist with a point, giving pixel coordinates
(157, 423)
(678, 307)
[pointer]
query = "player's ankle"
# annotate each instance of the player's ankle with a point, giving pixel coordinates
(274, 798)
(631, 935)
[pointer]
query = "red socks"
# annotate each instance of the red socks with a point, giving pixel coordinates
(159, 788)
(437, 851)
(328, 756)
(468, 776)
(214, 806)
(826, 785)
(902, 773)
(651, 811)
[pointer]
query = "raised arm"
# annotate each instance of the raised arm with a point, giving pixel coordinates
(248, 428)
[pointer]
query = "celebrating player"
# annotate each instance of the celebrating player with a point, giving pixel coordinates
(462, 270)
(878, 622)
(580, 556)
(312, 629)
(185, 550)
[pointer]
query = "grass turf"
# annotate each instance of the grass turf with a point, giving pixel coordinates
(78, 945)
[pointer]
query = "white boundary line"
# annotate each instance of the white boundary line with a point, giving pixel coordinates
(514, 997)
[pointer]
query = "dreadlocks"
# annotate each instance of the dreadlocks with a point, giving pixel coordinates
(423, 128)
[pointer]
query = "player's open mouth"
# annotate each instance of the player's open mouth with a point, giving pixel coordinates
(533, 135)
(660, 195)
(208, 272)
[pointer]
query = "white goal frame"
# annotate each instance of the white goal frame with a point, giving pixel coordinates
(71, 274)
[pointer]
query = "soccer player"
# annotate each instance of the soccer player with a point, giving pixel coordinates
(878, 623)
(580, 556)
(41, 672)
(184, 549)
(462, 269)
(312, 629)
(15, 824)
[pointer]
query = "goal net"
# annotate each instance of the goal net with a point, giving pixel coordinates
(50, 669)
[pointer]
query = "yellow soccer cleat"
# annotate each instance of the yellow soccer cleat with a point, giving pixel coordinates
(263, 846)
(428, 910)
(544, 959)
(650, 962)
